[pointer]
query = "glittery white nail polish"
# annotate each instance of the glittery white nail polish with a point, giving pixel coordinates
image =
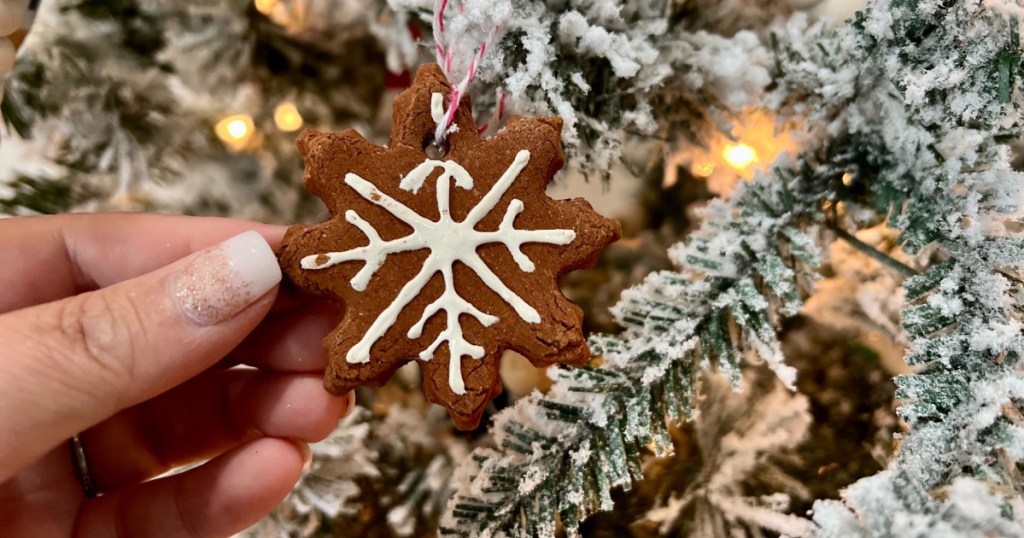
(350, 404)
(307, 456)
(220, 282)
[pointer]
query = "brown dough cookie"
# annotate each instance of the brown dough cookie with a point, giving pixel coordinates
(432, 258)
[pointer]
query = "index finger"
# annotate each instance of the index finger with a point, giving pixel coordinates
(51, 257)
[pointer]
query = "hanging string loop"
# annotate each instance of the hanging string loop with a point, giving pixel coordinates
(448, 57)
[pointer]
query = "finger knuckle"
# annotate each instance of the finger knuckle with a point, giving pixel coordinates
(104, 331)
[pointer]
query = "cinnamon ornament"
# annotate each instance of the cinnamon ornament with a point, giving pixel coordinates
(447, 259)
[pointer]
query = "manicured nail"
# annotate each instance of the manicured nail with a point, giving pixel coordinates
(307, 456)
(350, 404)
(221, 281)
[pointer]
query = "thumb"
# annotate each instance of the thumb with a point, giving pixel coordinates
(71, 363)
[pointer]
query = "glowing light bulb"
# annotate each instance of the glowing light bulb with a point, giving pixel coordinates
(265, 6)
(235, 131)
(287, 117)
(703, 168)
(739, 156)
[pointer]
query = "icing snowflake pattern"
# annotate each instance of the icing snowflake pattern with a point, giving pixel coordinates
(449, 241)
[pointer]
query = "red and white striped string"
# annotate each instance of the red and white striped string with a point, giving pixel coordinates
(446, 53)
(499, 112)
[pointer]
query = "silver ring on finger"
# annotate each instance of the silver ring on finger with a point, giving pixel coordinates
(80, 463)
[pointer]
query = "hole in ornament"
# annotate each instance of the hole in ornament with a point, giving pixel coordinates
(436, 151)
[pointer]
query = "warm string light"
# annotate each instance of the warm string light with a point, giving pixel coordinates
(238, 131)
(265, 6)
(739, 156)
(235, 131)
(287, 117)
(293, 16)
(703, 168)
(753, 143)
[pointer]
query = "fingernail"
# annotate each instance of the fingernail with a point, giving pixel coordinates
(221, 281)
(307, 456)
(350, 404)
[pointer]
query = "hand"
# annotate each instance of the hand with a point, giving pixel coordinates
(122, 328)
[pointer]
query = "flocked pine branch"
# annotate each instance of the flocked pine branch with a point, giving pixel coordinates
(736, 435)
(921, 131)
(376, 474)
(120, 99)
(563, 451)
(613, 70)
(936, 99)
(892, 503)
(103, 135)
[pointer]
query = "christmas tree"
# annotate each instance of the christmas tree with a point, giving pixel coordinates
(811, 327)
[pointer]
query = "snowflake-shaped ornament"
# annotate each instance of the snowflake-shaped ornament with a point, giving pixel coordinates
(451, 261)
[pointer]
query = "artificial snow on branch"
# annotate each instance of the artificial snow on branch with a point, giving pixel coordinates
(937, 168)
(563, 451)
(120, 99)
(377, 473)
(925, 121)
(613, 71)
(736, 433)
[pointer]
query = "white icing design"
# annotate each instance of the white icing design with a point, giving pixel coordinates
(449, 241)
